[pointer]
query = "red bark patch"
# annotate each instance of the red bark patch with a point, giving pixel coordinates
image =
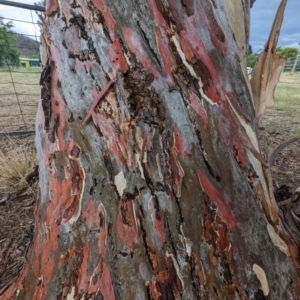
(203, 66)
(216, 197)
(177, 12)
(167, 284)
(64, 196)
(66, 193)
(179, 143)
(43, 265)
(176, 168)
(95, 218)
(198, 276)
(198, 108)
(132, 40)
(186, 49)
(152, 255)
(51, 7)
(127, 227)
(159, 20)
(117, 58)
(208, 16)
(239, 153)
(216, 233)
(165, 53)
(100, 283)
(198, 269)
(158, 219)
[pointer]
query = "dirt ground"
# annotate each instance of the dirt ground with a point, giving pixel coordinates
(280, 123)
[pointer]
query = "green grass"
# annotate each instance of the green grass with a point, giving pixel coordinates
(284, 116)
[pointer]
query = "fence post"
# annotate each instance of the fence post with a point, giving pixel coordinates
(295, 64)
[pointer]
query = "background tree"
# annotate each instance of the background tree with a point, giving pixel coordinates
(287, 52)
(8, 48)
(151, 181)
(251, 59)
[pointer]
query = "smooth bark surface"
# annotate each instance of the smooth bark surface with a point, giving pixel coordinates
(151, 181)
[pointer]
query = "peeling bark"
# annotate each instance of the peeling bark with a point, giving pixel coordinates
(151, 181)
(267, 70)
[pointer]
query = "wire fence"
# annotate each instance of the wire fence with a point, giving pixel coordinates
(19, 67)
(292, 65)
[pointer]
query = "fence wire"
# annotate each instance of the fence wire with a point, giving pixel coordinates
(19, 84)
(292, 65)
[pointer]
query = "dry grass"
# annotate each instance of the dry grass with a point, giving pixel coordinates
(26, 84)
(16, 163)
(17, 201)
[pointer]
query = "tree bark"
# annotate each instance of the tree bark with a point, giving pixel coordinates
(151, 181)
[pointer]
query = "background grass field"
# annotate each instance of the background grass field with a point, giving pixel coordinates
(24, 83)
(284, 116)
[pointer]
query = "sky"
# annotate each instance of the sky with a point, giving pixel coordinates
(261, 18)
(262, 15)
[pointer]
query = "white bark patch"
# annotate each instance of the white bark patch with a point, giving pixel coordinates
(191, 70)
(145, 157)
(71, 295)
(120, 183)
(78, 209)
(139, 139)
(261, 276)
(158, 167)
(144, 272)
(187, 243)
(138, 163)
(127, 59)
(98, 27)
(277, 240)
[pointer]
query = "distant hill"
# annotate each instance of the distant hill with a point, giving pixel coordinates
(27, 47)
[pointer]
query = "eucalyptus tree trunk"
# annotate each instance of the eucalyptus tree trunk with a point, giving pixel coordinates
(151, 181)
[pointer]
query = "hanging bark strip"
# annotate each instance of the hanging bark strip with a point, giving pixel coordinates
(164, 195)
